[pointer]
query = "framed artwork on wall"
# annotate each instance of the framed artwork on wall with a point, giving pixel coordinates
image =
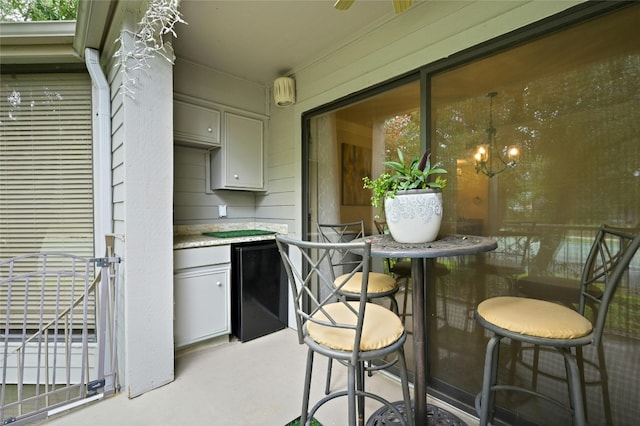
(356, 164)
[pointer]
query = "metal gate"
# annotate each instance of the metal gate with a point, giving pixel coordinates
(57, 313)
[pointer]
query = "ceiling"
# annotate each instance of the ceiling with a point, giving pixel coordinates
(259, 40)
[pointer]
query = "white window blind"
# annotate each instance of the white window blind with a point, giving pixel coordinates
(46, 183)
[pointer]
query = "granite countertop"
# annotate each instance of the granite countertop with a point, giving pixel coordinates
(191, 236)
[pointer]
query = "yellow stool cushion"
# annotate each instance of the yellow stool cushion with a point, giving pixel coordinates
(381, 327)
(534, 317)
(378, 283)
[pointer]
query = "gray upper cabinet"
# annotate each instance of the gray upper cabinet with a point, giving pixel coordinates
(195, 125)
(239, 162)
(234, 138)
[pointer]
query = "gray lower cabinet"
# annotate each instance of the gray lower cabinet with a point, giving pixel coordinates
(202, 294)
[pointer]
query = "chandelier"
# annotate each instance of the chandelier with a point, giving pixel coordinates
(489, 160)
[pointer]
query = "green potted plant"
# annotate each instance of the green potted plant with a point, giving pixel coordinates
(410, 197)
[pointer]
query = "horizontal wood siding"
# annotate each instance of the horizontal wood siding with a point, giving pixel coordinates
(191, 204)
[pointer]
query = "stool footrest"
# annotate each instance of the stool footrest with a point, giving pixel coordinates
(511, 388)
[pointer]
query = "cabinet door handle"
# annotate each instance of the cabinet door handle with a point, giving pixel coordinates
(235, 176)
(219, 283)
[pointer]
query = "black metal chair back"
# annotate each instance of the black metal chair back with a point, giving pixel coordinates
(606, 265)
(313, 274)
(342, 260)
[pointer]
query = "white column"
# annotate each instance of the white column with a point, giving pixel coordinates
(148, 228)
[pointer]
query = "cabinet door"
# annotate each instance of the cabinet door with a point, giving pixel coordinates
(194, 125)
(242, 153)
(202, 302)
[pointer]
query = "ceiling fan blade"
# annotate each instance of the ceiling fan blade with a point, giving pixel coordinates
(343, 4)
(400, 6)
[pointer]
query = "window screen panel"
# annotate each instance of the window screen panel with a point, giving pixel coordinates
(46, 178)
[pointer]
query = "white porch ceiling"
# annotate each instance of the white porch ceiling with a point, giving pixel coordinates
(259, 40)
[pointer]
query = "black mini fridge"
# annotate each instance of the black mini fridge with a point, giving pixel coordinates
(259, 293)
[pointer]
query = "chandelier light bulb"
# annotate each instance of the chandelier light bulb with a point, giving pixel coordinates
(481, 154)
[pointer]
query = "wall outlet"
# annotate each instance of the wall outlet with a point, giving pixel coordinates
(222, 210)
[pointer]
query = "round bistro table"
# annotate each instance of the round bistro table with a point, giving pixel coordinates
(445, 246)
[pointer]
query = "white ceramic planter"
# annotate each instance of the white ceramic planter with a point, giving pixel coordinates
(414, 216)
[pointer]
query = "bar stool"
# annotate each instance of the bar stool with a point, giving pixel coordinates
(566, 292)
(352, 331)
(380, 285)
(342, 262)
(552, 325)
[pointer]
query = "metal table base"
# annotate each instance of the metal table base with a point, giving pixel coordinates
(435, 416)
